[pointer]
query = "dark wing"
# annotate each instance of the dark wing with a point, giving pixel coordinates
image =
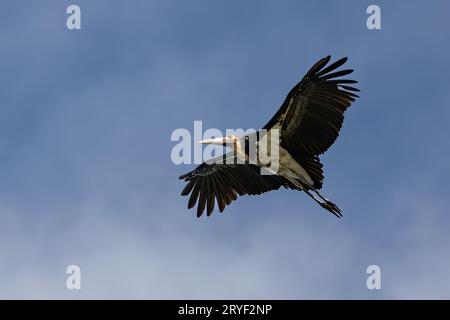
(313, 166)
(211, 182)
(312, 114)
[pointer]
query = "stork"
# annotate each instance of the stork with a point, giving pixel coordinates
(307, 124)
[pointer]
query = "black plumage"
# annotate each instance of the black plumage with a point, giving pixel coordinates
(309, 121)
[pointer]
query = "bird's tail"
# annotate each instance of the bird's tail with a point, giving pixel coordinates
(325, 203)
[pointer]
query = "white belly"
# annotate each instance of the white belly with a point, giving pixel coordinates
(282, 163)
(292, 169)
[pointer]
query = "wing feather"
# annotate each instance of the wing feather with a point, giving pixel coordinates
(224, 182)
(313, 112)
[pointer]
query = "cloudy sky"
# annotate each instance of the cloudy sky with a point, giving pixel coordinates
(86, 176)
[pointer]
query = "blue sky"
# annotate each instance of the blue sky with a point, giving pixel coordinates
(86, 176)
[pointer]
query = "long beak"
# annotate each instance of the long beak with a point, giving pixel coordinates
(218, 141)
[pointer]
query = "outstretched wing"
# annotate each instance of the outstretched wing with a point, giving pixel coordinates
(223, 182)
(312, 114)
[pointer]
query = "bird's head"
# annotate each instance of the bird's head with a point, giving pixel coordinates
(240, 145)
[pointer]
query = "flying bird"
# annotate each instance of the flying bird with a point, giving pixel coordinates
(307, 124)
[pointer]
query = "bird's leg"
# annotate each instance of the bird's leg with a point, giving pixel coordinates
(326, 204)
(329, 204)
(312, 196)
(320, 196)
